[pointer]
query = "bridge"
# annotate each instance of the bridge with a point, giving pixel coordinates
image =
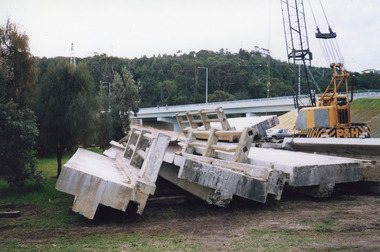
(251, 107)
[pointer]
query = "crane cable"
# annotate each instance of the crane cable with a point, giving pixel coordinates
(324, 13)
(334, 49)
(330, 47)
(269, 37)
(323, 47)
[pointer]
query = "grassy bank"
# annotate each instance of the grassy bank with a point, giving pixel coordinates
(367, 111)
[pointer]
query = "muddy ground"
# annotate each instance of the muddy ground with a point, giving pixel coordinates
(348, 221)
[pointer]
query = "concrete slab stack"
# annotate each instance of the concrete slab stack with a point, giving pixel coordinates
(214, 164)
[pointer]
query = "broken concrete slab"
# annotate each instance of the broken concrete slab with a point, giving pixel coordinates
(304, 169)
(204, 117)
(259, 123)
(96, 179)
(366, 151)
(318, 172)
(215, 118)
(114, 149)
(307, 169)
(231, 178)
(245, 180)
(227, 178)
(213, 143)
(170, 171)
(352, 147)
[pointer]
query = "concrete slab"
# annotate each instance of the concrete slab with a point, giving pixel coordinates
(170, 171)
(318, 172)
(366, 151)
(232, 181)
(304, 169)
(114, 149)
(259, 123)
(307, 169)
(96, 179)
(354, 147)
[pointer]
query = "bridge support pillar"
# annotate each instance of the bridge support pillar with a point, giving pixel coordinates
(171, 120)
(251, 114)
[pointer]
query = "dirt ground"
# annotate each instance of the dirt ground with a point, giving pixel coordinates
(349, 220)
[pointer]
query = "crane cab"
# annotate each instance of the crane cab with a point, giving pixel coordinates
(329, 121)
(318, 119)
(332, 116)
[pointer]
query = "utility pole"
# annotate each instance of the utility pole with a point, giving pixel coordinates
(206, 81)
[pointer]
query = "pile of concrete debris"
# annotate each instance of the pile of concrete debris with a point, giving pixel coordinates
(213, 161)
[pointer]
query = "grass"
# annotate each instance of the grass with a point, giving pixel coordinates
(324, 226)
(367, 111)
(371, 103)
(109, 242)
(51, 203)
(45, 225)
(30, 193)
(46, 210)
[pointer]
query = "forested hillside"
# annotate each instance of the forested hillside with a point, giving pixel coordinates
(177, 79)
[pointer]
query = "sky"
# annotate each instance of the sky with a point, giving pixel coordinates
(134, 28)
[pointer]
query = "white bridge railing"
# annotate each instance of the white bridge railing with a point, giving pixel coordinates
(282, 103)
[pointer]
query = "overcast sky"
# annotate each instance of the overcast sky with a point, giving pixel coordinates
(134, 28)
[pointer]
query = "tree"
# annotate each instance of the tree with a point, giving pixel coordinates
(105, 129)
(166, 87)
(66, 108)
(18, 135)
(220, 95)
(6, 75)
(18, 130)
(124, 99)
(14, 49)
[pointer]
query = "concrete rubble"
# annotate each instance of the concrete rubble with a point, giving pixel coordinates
(211, 159)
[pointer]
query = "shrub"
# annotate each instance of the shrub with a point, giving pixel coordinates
(18, 134)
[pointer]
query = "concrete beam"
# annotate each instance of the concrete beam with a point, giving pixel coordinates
(304, 169)
(170, 172)
(114, 149)
(96, 179)
(366, 151)
(227, 180)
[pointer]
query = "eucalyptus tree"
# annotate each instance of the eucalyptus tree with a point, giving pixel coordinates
(66, 108)
(14, 50)
(116, 101)
(18, 129)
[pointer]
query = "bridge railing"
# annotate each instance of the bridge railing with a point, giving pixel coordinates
(176, 107)
(357, 94)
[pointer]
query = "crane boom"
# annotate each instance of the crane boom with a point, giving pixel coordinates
(297, 46)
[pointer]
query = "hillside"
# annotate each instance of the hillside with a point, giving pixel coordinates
(362, 111)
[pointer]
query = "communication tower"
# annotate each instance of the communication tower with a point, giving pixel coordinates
(72, 57)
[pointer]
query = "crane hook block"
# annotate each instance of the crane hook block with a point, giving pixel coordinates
(321, 35)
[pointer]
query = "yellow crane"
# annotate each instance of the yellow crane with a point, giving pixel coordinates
(330, 115)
